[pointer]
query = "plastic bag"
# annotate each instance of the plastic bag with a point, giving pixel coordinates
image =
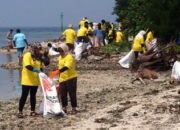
(50, 104)
(126, 61)
(176, 71)
(79, 48)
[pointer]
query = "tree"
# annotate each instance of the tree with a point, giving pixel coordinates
(162, 16)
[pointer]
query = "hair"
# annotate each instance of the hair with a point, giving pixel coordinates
(103, 21)
(36, 52)
(18, 30)
(49, 45)
(86, 24)
(11, 30)
(99, 26)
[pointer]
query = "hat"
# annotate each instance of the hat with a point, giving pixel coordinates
(70, 26)
(64, 47)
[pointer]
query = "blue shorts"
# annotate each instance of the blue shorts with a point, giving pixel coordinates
(20, 51)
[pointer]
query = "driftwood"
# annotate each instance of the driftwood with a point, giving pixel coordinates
(160, 59)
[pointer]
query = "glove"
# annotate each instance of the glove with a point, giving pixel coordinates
(36, 70)
(54, 73)
(43, 75)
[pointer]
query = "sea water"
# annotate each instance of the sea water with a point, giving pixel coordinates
(9, 79)
(33, 34)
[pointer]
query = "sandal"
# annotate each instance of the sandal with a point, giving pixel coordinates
(74, 111)
(20, 115)
(33, 114)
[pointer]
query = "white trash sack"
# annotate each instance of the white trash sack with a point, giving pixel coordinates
(176, 71)
(126, 61)
(79, 48)
(50, 105)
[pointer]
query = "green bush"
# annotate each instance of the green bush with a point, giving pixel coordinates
(116, 48)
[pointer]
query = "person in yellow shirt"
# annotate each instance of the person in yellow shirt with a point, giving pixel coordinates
(110, 34)
(32, 65)
(82, 22)
(70, 35)
(149, 39)
(83, 33)
(138, 43)
(67, 78)
(119, 36)
(90, 34)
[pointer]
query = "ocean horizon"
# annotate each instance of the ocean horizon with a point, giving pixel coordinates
(33, 34)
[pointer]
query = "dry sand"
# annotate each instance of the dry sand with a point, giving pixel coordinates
(107, 99)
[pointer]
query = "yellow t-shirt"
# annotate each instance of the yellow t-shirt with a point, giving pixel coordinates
(28, 77)
(149, 37)
(81, 23)
(110, 33)
(82, 32)
(119, 36)
(138, 41)
(67, 61)
(103, 27)
(70, 35)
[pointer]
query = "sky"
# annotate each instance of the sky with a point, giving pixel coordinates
(46, 13)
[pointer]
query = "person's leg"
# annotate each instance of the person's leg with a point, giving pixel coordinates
(72, 90)
(33, 91)
(136, 54)
(22, 101)
(20, 54)
(63, 94)
(70, 46)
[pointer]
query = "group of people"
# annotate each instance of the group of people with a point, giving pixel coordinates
(91, 34)
(36, 57)
(142, 45)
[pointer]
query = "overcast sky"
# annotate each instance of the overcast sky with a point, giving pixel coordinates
(42, 13)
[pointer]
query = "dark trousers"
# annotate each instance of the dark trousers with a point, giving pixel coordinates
(137, 53)
(24, 95)
(69, 87)
(70, 46)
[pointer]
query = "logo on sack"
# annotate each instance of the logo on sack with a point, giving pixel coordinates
(46, 85)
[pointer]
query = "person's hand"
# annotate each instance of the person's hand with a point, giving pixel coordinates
(54, 73)
(36, 70)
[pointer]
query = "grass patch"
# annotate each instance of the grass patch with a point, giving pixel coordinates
(116, 48)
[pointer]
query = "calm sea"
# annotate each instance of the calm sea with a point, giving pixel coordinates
(32, 34)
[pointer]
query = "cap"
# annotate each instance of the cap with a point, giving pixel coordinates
(64, 47)
(70, 26)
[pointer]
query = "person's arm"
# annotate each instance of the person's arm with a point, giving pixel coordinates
(14, 41)
(29, 67)
(26, 42)
(57, 72)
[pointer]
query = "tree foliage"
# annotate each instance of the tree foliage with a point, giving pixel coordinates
(162, 16)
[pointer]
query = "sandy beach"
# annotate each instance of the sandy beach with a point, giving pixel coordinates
(107, 100)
